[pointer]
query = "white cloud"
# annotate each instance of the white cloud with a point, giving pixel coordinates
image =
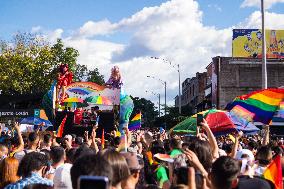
(54, 35)
(36, 29)
(256, 3)
(91, 28)
(94, 53)
(173, 30)
(50, 35)
(272, 21)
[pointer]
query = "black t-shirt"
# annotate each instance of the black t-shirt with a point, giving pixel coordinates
(245, 182)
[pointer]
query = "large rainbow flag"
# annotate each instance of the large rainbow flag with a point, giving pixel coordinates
(274, 172)
(135, 123)
(258, 106)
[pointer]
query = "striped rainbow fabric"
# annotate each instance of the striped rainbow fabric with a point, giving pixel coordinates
(135, 123)
(60, 129)
(281, 110)
(258, 106)
(274, 172)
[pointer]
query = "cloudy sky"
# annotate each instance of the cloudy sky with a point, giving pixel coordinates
(127, 33)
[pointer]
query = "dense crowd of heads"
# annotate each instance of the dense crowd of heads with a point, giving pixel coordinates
(145, 158)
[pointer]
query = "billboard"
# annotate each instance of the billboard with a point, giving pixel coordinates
(247, 43)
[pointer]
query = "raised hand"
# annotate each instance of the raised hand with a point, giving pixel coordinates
(17, 126)
(204, 124)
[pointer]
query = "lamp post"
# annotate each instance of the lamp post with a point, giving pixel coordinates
(165, 84)
(178, 70)
(264, 69)
(159, 97)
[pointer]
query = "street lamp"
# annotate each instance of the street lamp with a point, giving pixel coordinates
(159, 97)
(178, 70)
(165, 84)
(264, 68)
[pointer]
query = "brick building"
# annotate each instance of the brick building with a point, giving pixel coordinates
(229, 77)
(193, 91)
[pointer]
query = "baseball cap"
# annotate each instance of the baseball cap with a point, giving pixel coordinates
(132, 160)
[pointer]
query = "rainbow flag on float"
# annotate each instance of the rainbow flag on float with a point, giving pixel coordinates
(258, 106)
(274, 172)
(135, 123)
(60, 129)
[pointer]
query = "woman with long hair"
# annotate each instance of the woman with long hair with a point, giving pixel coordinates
(119, 167)
(9, 168)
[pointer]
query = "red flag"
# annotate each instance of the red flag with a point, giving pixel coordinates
(103, 139)
(60, 129)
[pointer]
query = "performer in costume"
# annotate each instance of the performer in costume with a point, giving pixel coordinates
(115, 79)
(94, 116)
(65, 77)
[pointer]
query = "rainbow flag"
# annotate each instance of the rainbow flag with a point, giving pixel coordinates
(60, 129)
(281, 110)
(135, 123)
(274, 172)
(258, 106)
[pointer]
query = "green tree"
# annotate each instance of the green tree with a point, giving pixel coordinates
(67, 55)
(147, 109)
(81, 73)
(96, 77)
(28, 64)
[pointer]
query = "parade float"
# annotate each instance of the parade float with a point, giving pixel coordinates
(66, 96)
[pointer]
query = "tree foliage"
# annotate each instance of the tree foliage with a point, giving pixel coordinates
(96, 77)
(29, 64)
(147, 109)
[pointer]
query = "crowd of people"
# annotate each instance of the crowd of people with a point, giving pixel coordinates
(145, 158)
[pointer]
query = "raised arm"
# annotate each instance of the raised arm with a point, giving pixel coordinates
(93, 138)
(265, 140)
(20, 138)
(211, 139)
(236, 144)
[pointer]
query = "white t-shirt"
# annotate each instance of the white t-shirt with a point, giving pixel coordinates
(62, 177)
(19, 155)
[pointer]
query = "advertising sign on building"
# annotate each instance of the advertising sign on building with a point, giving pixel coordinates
(16, 113)
(247, 43)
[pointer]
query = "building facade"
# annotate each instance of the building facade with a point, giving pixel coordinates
(226, 78)
(192, 91)
(229, 77)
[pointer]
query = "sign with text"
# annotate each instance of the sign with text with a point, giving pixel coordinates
(16, 113)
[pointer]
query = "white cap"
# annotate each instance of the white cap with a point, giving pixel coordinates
(247, 152)
(62, 177)
(69, 137)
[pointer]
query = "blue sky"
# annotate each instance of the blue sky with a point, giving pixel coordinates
(70, 14)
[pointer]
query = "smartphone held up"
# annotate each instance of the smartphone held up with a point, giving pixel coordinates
(91, 182)
(199, 120)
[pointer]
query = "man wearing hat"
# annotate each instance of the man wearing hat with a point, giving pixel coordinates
(134, 168)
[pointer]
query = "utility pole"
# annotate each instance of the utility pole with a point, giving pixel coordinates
(264, 68)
